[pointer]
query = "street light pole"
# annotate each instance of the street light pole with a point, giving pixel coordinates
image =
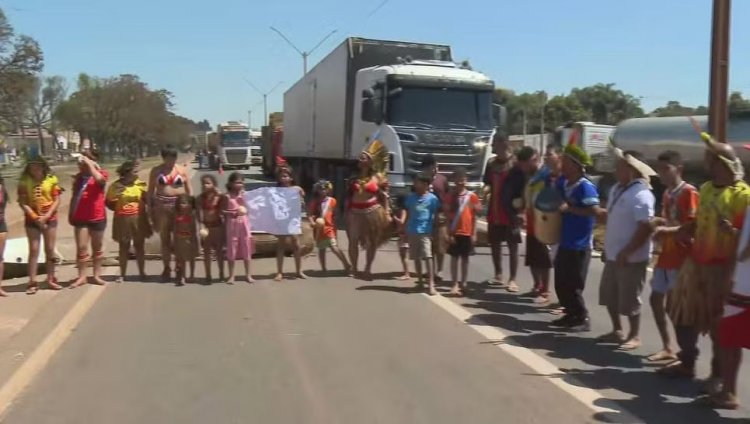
(265, 97)
(306, 54)
(719, 85)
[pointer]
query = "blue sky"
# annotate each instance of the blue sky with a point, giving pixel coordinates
(202, 50)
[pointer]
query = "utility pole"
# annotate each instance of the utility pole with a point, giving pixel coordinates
(250, 119)
(265, 97)
(542, 144)
(719, 86)
(306, 54)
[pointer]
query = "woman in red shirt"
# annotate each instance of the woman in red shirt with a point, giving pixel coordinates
(88, 216)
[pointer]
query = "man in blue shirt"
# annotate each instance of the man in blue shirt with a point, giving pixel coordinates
(579, 211)
(421, 210)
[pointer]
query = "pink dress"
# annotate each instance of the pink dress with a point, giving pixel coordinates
(239, 238)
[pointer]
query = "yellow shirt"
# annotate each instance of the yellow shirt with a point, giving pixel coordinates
(39, 196)
(713, 245)
(126, 199)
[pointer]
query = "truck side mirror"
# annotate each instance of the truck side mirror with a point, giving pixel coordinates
(371, 110)
(500, 115)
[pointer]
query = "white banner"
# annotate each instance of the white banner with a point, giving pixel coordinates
(275, 210)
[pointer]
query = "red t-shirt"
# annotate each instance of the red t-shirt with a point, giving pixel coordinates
(88, 199)
(497, 215)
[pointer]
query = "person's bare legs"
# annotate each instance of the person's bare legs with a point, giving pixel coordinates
(180, 264)
(97, 245)
(297, 251)
(82, 246)
(123, 252)
(166, 252)
(371, 251)
(354, 254)
(455, 290)
(192, 269)
(3, 237)
(657, 301)
(439, 259)
(322, 259)
(33, 234)
(402, 253)
(339, 254)
(513, 260)
(50, 240)
(208, 249)
(140, 257)
(731, 360)
(429, 262)
(280, 251)
(496, 251)
(464, 272)
(249, 270)
(230, 265)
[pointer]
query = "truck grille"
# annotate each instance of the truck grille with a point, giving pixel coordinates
(448, 156)
(236, 156)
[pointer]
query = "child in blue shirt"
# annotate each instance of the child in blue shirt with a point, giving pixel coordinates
(421, 210)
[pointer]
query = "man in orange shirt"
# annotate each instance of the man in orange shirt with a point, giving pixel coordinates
(679, 205)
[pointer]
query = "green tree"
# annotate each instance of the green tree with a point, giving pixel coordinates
(47, 94)
(674, 108)
(20, 59)
(738, 104)
(606, 104)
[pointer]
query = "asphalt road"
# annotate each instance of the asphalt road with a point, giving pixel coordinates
(337, 350)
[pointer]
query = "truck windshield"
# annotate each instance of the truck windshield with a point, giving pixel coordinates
(235, 139)
(441, 108)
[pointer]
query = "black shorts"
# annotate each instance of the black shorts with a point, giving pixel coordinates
(92, 226)
(537, 254)
(503, 233)
(462, 247)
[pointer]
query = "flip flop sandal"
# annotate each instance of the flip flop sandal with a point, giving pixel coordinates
(661, 356)
(512, 288)
(54, 285)
(611, 338)
(717, 402)
(32, 288)
(628, 346)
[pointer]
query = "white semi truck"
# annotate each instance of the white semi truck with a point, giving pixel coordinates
(412, 95)
(230, 146)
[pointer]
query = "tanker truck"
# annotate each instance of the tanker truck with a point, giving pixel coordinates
(413, 96)
(652, 136)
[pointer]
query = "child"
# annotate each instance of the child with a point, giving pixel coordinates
(39, 197)
(3, 230)
(461, 208)
(422, 208)
(284, 177)
(679, 206)
(127, 198)
(239, 239)
(185, 237)
(212, 226)
(321, 216)
(399, 218)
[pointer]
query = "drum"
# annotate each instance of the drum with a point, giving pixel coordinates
(547, 216)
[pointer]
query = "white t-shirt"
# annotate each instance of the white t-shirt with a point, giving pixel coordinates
(741, 270)
(627, 207)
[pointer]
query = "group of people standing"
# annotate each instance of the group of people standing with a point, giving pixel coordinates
(699, 280)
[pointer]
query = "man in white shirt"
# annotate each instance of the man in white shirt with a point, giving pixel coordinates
(627, 247)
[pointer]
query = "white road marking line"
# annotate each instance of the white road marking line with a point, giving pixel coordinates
(587, 396)
(43, 353)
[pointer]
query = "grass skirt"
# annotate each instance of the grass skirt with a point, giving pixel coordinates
(699, 295)
(131, 228)
(368, 227)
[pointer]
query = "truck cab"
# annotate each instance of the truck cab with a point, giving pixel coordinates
(427, 107)
(234, 145)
